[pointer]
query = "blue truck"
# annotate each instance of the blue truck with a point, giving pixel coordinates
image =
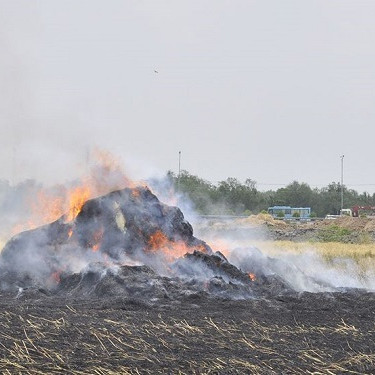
(287, 212)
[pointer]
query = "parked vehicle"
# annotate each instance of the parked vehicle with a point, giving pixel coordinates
(346, 212)
(331, 217)
(357, 211)
(287, 212)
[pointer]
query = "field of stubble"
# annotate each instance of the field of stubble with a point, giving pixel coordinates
(316, 334)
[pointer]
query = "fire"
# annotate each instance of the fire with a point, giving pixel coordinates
(50, 204)
(77, 198)
(136, 193)
(220, 245)
(55, 276)
(158, 241)
(252, 276)
(70, 233)
(96, 247)
(96, 239)
(110, 172)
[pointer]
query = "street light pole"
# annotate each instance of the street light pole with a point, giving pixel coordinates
(342, 182)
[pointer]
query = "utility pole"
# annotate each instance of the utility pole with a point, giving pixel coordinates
(342, 181)
(179, 171)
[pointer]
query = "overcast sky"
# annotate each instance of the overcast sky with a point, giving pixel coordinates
(275, 90)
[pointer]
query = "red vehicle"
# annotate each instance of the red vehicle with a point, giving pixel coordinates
(356, 210)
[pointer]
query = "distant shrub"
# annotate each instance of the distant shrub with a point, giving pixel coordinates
(334, 233)
(247, 213)
(296, 214)
(280, 214)
(364, 238)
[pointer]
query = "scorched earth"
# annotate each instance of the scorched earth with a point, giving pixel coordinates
(125, 287)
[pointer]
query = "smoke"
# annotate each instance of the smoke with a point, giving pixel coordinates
(164, 189)
(66, 244)
(29, 205)
(303, 272)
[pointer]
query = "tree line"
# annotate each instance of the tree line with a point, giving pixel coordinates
(231, 196)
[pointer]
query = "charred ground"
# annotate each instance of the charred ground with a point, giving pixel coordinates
(197, 313)
(308, 333)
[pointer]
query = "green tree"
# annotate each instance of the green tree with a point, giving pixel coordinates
(295, 194)
(233, 196)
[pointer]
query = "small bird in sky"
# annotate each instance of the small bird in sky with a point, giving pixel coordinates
(155, 71)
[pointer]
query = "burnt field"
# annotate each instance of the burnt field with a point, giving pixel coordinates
(322, 333)
(124, 287)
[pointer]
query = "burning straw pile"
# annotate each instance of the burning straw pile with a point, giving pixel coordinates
(121, 285)
(124, 243)
(127, 243)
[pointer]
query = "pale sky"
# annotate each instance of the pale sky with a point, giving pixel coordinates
(275, 90)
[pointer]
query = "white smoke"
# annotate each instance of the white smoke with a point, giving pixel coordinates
(302, 272)
(306, 271)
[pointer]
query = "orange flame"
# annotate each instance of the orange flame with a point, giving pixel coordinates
(252, 276)
(135, 193)
(55, 276)
(220, 245)
(50, 204)
(158, 241)
(95, 248)
(110, 172)
(48, 207)
(97, 239)
(77, 198)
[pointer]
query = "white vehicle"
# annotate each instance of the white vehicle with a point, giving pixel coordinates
(332, 217)
(346, 212)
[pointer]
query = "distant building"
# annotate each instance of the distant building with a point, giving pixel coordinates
(288, 212)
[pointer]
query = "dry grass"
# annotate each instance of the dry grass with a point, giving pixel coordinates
(327, 249)
(362, 254)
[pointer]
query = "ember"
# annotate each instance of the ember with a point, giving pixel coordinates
(171, 249)
(97, 239)
(252, 276)
(158, 240)
(55, 276)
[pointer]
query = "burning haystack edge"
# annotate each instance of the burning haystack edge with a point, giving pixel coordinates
(129, 244)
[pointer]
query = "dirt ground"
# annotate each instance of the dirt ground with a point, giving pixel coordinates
(310, 333)
(263, 226)
(353, 230)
